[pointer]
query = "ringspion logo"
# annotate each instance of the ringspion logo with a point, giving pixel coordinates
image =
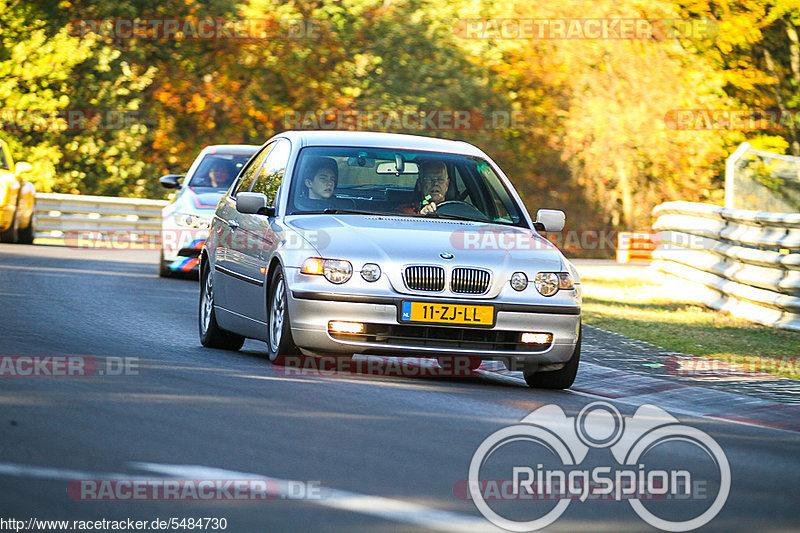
(555, 446)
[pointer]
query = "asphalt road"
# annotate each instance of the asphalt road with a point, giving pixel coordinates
(374, 452)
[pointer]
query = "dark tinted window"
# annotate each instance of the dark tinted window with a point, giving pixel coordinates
(271, 173)
(218, 170)
(250, 172)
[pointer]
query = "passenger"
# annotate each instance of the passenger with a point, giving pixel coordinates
(319, 183)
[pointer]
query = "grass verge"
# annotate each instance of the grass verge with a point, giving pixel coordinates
(633, 301)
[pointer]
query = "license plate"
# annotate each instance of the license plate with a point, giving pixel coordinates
(477, 315)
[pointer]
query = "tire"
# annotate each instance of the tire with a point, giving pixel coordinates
(279, 330)
(11, 235)
(163, 270)
(211, 335)
(27, 234)
(557, 379)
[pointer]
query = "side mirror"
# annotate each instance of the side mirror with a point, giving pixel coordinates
(550, 220)
(171, 181)
(254, 203)
(22, 167)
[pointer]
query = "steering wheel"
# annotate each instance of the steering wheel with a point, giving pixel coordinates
(459, 208)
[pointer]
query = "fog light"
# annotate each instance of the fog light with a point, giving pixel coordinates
(371, 272)
(519, 281)
(353, 328)
(537, 338)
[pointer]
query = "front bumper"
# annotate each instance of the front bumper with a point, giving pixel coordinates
(185, 258)
(310, 312)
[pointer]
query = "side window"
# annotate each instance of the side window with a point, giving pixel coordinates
(249, 174)
(271, 174)
(503, 208)
(458, 184)
(3, 160)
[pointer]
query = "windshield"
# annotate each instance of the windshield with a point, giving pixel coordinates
(403, 182)
(218, 170)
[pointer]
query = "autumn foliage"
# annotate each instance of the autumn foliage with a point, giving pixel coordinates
(580, 115)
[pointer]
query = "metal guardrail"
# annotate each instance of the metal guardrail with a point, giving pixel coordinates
(743, 262)
(73, 215)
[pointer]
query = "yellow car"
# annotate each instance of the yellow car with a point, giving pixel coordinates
(16, 200)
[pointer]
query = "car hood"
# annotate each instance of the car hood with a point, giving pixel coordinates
(200, 201)
(408, 240)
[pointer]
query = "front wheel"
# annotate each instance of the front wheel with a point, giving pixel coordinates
(211, 335)
(279, 341)
(557, 379)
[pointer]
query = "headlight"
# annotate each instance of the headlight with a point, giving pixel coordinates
(371, 272)
(548, 283)
(335, 270)
(190, 220)
(519, 281)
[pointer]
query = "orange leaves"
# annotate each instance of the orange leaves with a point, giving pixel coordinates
(196, 104)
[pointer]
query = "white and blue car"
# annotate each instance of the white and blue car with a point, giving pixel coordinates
(186, 219)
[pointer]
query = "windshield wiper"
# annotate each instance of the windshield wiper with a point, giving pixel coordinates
(337, 211)
(436, 214)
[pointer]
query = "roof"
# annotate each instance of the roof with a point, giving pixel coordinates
(370, 139)
(232, 148)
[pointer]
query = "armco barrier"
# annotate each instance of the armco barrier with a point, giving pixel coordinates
(743, 262)
(60, 215)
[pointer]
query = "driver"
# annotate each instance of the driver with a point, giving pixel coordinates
(430, 189)
(219, 175)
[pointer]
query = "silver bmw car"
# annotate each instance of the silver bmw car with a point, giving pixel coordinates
(341, 242)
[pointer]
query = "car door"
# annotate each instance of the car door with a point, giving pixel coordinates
(256, 241)
(226, 230)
